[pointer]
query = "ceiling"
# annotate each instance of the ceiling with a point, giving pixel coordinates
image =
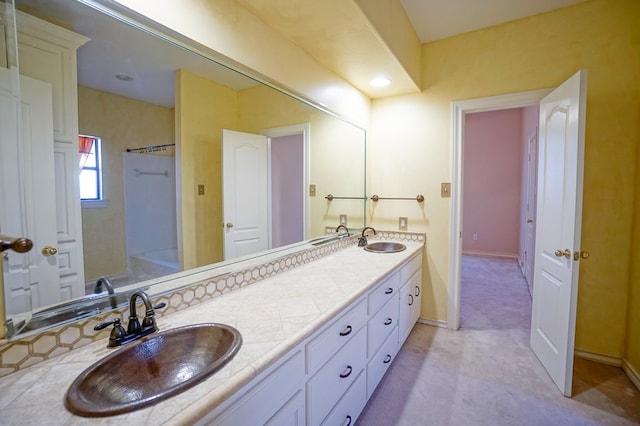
(438, 19)
(336, 33)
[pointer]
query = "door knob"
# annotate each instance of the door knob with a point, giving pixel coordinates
(529, 220)
(584, 254)
(49, 251)
(560, 253)
(229, 225)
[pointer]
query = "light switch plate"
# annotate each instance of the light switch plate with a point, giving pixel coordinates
(343, 219)
(445, 189)
(403, 223)
(312, 190)
(200, 189)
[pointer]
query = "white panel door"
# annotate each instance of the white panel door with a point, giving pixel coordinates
(245, 199)
(40, 193)
(558, 224)
(15, 266)
(32, 279)
(529, 245)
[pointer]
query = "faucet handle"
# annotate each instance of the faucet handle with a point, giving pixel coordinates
(104, 325)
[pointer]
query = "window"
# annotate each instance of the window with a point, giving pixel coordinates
(90, 148)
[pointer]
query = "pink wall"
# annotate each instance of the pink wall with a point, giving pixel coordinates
(287, 163)
(492, 182)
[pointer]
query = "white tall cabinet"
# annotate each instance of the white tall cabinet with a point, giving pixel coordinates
(47, 53)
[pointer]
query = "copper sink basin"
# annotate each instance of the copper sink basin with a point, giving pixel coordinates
(385, 247)
(152, 369)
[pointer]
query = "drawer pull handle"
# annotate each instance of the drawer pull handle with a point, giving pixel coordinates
(387, 359)
(388, 321)
(346, 331)
(417, 291)
(347, 372)
(347, 421)
(410, 300)
(389, 291)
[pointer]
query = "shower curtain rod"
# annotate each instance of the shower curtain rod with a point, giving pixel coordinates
(151, 147)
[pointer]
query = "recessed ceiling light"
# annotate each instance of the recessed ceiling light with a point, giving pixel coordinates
(124, 77)
(380, 82)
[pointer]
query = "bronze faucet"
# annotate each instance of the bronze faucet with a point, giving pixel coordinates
(362, 241)
(135, 330)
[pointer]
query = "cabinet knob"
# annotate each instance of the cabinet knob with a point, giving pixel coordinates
(388, 321)
(387, 359)
(410, 299)
(347, 421)
(388, 291)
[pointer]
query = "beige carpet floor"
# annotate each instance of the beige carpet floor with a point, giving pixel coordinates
(486, 374)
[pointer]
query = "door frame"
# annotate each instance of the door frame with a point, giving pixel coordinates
(294, 129)
(458, 111)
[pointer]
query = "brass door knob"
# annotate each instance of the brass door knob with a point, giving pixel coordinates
(566, 253)
(49, 251)
(584, 254)
(229, 225)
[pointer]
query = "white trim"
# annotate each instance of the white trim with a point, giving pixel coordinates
(294, 129)
(458, 111)
(602, 359)
(631, 372)
(93, 204)
(490, 254)
(434, 323)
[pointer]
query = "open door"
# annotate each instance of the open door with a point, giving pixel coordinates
(559, 220)
(245, 193)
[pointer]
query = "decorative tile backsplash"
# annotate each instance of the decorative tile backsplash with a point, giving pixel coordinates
(27, 351)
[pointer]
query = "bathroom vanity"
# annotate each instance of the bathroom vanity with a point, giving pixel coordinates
(317, 340)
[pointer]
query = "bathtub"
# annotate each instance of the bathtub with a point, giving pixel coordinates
(154, 263)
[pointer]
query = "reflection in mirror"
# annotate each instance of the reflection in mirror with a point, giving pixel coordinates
(168, 121)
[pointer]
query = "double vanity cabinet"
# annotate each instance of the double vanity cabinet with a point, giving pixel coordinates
(328, 378)
(316, 341)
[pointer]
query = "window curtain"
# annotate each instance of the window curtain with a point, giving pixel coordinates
(85, 144)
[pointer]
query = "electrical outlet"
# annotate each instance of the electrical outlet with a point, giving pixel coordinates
(445, 189)
(403, 223)
(343, 219)
(312, 190)
(200, 189)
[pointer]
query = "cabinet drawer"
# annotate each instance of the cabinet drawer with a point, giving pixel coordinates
(411, 267)
(381, 324)
(320, 349)
(386, 290)
(379, 364)
(335, 377)
(349, 407)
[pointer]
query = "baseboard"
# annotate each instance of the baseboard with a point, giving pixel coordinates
(490, 254)
(631, 373)
(603, 359)
(434, 323)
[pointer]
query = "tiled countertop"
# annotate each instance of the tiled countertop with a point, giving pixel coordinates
(273, 315)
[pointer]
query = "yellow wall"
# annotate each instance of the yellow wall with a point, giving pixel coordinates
(336, 151)
(632, 344)
(411, 140)
(203, 109)
(242, 39)
(121, 123)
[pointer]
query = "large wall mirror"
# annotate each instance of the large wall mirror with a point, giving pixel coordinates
(183, 163)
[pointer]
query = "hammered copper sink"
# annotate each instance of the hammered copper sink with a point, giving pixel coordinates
(150, 370)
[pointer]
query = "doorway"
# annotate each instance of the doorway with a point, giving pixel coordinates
(460, 110)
